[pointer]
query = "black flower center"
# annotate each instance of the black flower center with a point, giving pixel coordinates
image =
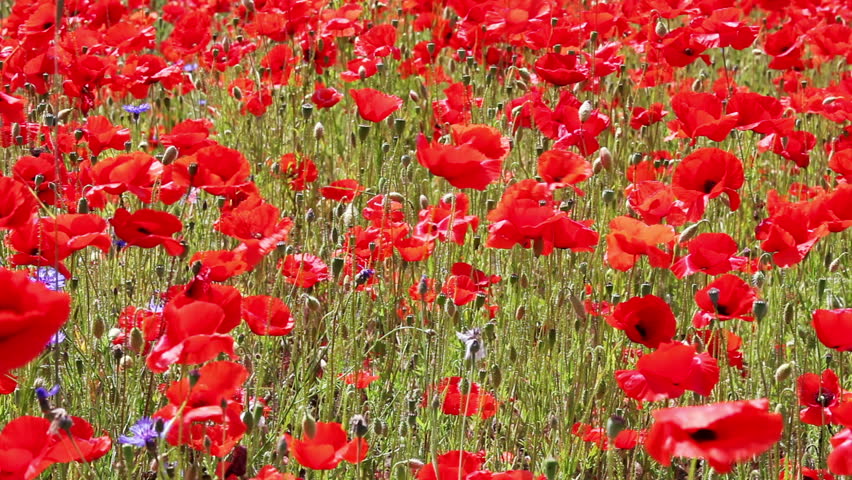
(703, 435)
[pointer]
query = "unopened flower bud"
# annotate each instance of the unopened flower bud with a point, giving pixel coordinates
(585, 111)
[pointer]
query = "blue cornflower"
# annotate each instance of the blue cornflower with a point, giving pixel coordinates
(42, 394)
(56, 339)
(190, 67)
(137, 110)
(364, 275)
(50, 277)
(144, 434)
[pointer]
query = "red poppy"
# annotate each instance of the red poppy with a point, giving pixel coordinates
(721, 433)
(447, 221)
(189, 136)
(299, 171)
(28, 446)
(759, 113)
(454, 402)
(218, 170)
(725, 298)
(452, 465)
(705, 174)
(668, 372)
(303, 270)
(840, 458)
(475, 160)
(560, 69)
(373, 105)
(254, 219)
(148, 228)
(17, 205)
(723, 343)
(527, 215)
(823, 398)
(220, 265)
(136, 172)
(45, 168)
(629, 238)
(711, 253)
(701, 115)
(12, 108)
(271, 473)
(327, 447)
(682, 46)
(30, 314)
(794, 146)
(834, 328)
(562, 167)
(101, 134)
(325, 97)
(647, 320)
(414, 249)
(343, 191)
(193, 334)
(8, 383)
(655, 201)
(202, 411)
(642, 117)
(267, 315)
(788, 235)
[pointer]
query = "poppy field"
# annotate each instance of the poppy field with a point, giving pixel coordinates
(425, 239)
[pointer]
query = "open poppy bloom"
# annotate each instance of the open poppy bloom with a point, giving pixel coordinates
(721, 433)
(628, 239)
(840, 458)
(711, 253)
(834, 328)
(647, 320)
(701, 115)
(303, 270)
(705, 174)
(474, 161)
(28, 446)
(327, 447)
(725, 298)
(148, 228)
(560, 69)
(452, 465)
(203, 413)
(454, 402)
(789, 235)
(447, 221)
(563, 167)
(373, 105)
(267, 315)
(668, 372)
(17, 205)
(822, 397)
(30, 314)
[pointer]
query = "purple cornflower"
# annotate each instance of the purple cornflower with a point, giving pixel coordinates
(136, 110)
(144, 434)
(50, 277)
(364, 275)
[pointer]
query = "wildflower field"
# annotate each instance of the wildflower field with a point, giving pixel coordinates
(425, 239)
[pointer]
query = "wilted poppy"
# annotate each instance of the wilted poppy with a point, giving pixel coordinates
(721, 433)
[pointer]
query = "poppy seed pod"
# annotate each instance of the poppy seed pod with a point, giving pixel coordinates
(761, 308)
(551, 468)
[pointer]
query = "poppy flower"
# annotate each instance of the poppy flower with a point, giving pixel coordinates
(668, 372)
(202, 412)
(30, 314)
(560, 69)
(343, 191)
(822, 397)
(452, 465)
(17, 204)
(475, 160)
(189, 136)
(794, 146)
(647, 320)
(135, 172)
(701, 115)
(788, 235)
(655, 201)
(725, 298)
(148, 228)
(628, 239)
(299, 171)
(705, 174)
(218, 170)
(194, 333)
(834, 328)
(720, 433)
(840, 458)
(447, 221)
(711, 253)
(360, 379)
(269, 472)
(325, 97)
(101, 134)
(644, 117)
(12, 108)
(454, 402)
(303, 270)
(373, 105)
(267, 315)
(327, 447)
(28, 446)
(721, 343)
(563, 167)
(682, 46)
(759, 113)
(8, 383)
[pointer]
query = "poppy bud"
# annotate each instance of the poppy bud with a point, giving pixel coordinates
(520, 312)
(359, 426)
(661, 29)
(98, 327)
(606, 158)
(309, 425)
(597, 166)
(835, 264)
(789, 313)
(312, 303)
(192, 170)
(713, 293)
(450, 308)
(758, 279)
(585, 111)
(237, 93)
(496, 376)
(645, 289)
(319, 131)
(760, 309)
(783, 372)
(551, 468)
(137, 340)
(821, 284)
